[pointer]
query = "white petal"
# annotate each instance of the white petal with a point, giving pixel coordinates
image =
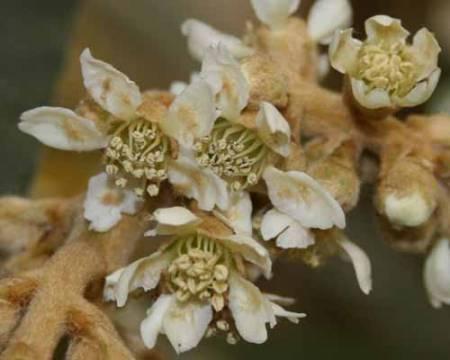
(370, 99)
(224, 74)
(343, 52)
(437, 274)
(186, 324)
(143, 273)
(173, 221)
(105, 203)
(274, 12)
(175, 216)
(249, 249)
(152, 324)
(111, 89)
(291, 316)
(289, 232)
(62, 129)
(426, 50)
(421, 92)
(191, 115)
(239, 215)
(197, 183)
(327, 16)
(109, 290)
(361, 264)
(200, 36)
(250, 309)
(304, 199)
(295, 236)
(385, 28)
(273, 129)
(274, 223)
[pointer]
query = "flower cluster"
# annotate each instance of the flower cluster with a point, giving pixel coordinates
(225, 146)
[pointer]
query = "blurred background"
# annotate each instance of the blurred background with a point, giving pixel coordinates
(40, 44)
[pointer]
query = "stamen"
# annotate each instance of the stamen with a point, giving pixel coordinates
(234, 153)
(200, 271)
(388, 66)
(136, 154)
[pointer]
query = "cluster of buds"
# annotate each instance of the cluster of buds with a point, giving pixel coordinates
(259, 152)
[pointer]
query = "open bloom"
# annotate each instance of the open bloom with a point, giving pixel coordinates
(130, 127)
(325, 16)
(200, 281)
(384, 70)
(234, 154)
(436, 273)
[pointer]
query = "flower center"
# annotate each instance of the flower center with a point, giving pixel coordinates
(200, 271)
(387, 66)
(136, 157)
(234, 153)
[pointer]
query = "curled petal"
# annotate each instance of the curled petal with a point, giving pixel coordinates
(227, 80)
(343, 52)
(175, 216)
(200, 36)
(143, 273)
(186, 324)
(385, 28)
(239, 215)
(437, 274)
(62, 129)
(105, 203)
(361, 264)
(327, 16)
(370, 98)
(301, 197)
(197, 183)
(174, 220)
(151, 326)
(191, 115)
(274, 12)
(110, 88)
(250, 310)
(289, 233)
(109, 290)
(273, 129)
(421, 92)
(426, 50)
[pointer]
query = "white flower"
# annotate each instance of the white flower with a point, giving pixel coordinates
(105, 203)
(288, 232)
(327, 16)
(436, 273)
(203, 275)
(135, 130)
(296, 194)
(201, 36)
(230, 159)
(275, 13)
(361, 263)
(384, 70)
